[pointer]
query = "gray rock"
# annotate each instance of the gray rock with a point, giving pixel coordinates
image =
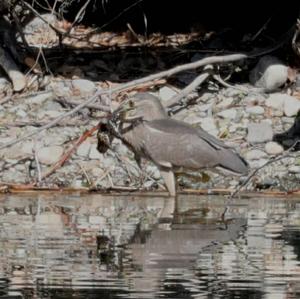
(255, 155)
(94, 154)
(228, 114)
(256, 110)
(269, 73)
(275, 101)
(21, 113)
(85, 87)
(291, 105)
(84, 149)
(50, 155)
(294, 169)
(259, 132)
(273, 148)
(225, 103)
(166, 93)
(208, 124)
(13, 176)
(40, 98)
(153, 172)
(61, 88)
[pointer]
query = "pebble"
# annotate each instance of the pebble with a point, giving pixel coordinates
(255, 154)
(294, 169)
(228, 114)
(85, 87)
(94, 154)
(269, 73)
(291, 106)
(39, 98)
(208, 125)
(259, 132)
(50, 155)
(84, 149)
(166, 93)
(258, 110)
(275, 101)
(273, 148)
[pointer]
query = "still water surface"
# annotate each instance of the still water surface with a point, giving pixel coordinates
(95, 246)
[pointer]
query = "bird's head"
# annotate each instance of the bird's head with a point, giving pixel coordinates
(142, 106)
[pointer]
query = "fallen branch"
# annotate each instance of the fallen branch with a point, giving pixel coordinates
(190, 88)
(91, 106)
(134, 83)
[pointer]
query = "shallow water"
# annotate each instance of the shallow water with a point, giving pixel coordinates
(94, 246)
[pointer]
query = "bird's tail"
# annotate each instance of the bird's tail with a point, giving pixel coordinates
(233, 162)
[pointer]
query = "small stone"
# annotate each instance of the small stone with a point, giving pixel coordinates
(50, 155)
(166, 93)
(208, 125)
(259, 132)
(269, 73)
(225, 103)
(21, 113)
(294, 169)
(275, 101)
(84, 86)
(84, 149)
(256, 110)
(255, 155)
(229, 114)
(40, 98)
(291, 106)
(94, 154)
(154, 172)
(273, 148)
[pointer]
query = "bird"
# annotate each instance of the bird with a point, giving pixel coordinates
(170, 144)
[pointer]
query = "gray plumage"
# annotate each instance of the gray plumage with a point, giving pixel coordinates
(172, 144)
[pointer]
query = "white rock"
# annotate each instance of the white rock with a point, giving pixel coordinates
(84, 86)
(255, 155)
(273, 148)
(225, 103)
(21, 113)
(40, 98)
(259, 132)
(208, 124)
(50, 155)
(276, 101)
(291, 106)
(269, 73)
(84, 149)
(229, 114)
(166, 93)
(94, 154)
(294, 169)
(257, 110)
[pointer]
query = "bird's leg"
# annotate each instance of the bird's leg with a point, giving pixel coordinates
(169, 179)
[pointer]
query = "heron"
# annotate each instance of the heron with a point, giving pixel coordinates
(172, 145)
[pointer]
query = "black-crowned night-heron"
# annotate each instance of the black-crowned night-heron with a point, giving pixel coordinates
(171, 144)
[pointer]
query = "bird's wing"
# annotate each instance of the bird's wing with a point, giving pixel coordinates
(173, 126)
(170, 142)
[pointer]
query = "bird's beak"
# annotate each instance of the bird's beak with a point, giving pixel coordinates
(126, 112)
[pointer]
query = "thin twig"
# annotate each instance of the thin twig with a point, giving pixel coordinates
(68, 154)
(284, 155)
(134, 83)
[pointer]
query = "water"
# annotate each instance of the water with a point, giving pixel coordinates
(95, 246)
